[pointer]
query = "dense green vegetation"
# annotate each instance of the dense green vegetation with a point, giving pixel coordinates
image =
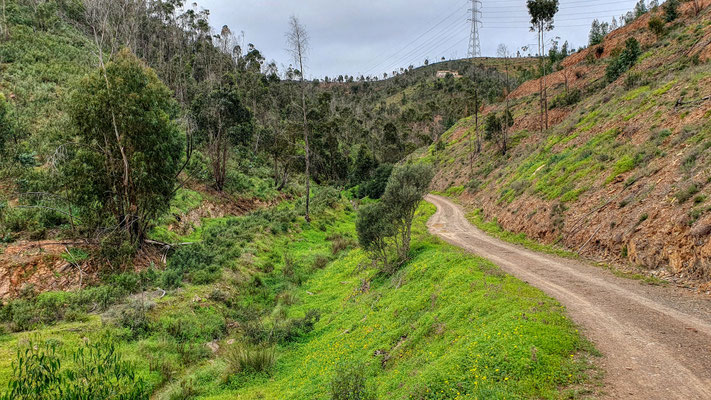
(300, 307)
(97, 372)
(236, 115)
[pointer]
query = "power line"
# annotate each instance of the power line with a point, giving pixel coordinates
(444, 36)
(427, 45)
(382, 61)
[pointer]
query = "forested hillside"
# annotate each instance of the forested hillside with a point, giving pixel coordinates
(237, 118)
(622, 174)
(181, 219)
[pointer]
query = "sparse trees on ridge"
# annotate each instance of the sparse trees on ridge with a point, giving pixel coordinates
(598, 31)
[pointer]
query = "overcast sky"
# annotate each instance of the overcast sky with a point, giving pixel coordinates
(356, 37)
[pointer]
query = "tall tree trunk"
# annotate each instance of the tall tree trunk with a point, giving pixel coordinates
(4, 29)
(504, 146)
(540, 81)
(126, 203)
(545, 72)
(471, 149)
(307, 150)
(476, 120)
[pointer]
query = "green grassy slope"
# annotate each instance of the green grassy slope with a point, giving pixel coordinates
(448, 325)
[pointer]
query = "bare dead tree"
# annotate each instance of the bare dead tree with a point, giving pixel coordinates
(503, 52)
(298, 41)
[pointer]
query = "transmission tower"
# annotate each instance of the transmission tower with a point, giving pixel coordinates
(474, 45)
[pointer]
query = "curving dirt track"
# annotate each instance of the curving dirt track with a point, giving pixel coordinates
(656, 341)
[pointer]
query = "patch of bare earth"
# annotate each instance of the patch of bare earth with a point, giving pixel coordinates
(39, 265)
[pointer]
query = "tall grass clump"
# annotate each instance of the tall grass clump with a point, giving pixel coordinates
(245, 358)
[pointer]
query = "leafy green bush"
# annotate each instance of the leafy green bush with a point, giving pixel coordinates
(389, 223)
(171, 279)
(117, 249)
(201, 324)
(149, 153)
(375, 187)
(195, 261)
(671, 10)
(566, 99)
(623, 62)
(134, 317)
(685, 194)
(282, 329)
(97, 372)
(349, 383)
(375, 231)
(325, 197)
(656, 25)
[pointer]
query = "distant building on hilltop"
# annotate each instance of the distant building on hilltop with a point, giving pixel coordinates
(443, 74)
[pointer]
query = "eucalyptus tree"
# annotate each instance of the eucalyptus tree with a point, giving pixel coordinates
(542, 13)
(503, 52)
(222, 121)
(125, 164)
(297, 39)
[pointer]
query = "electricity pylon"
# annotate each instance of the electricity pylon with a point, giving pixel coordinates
(475, 19)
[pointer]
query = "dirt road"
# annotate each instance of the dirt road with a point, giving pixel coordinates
(656, 341)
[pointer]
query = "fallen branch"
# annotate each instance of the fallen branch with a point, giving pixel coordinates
(579, 224)
(680, 102)
(591, 238)
(168, 245)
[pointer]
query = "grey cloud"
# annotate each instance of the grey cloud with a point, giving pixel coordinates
(350, 37)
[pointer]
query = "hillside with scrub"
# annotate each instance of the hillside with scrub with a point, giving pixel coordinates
(179, 219)
(621, 172)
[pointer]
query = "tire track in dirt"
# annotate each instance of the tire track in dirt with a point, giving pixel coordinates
(655, 341)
